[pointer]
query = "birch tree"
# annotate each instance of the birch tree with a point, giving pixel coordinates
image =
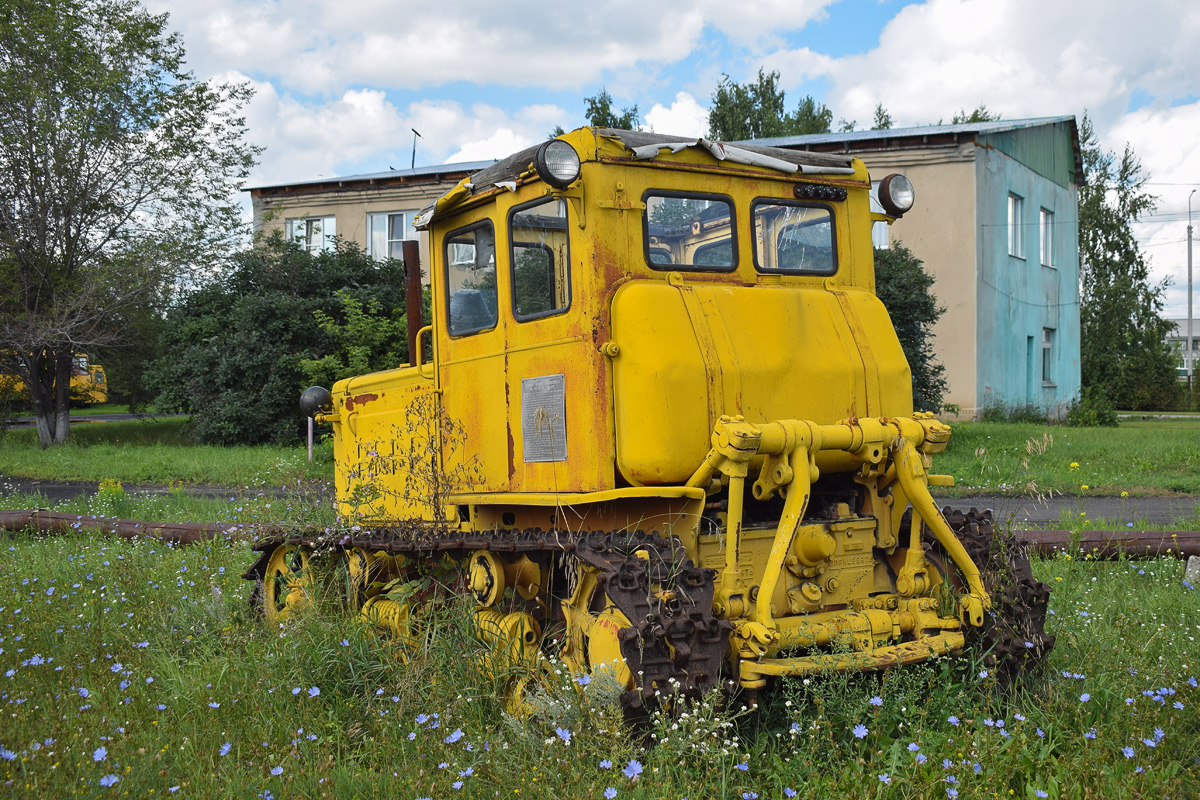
(118, 172)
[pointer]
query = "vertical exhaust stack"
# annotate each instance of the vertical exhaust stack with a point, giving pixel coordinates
(412, 295)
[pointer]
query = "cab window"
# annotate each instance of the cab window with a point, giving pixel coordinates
(689, 231)
(470, 257)
(540, 259)
(794, 238)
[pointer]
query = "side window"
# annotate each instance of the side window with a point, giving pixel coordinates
(794, 237)
(685, 231)
(471, 279)
(540, 265)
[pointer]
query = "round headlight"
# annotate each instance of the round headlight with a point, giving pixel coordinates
(315, 400)
(557, 163)
(896, 195)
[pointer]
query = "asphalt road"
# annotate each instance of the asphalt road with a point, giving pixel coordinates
(1010, 511)
(27, 421)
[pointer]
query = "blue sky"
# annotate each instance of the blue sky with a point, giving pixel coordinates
(340, 85)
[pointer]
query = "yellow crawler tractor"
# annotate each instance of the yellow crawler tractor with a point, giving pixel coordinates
(664, 431)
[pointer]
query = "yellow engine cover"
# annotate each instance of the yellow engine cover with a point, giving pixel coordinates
(690, 352)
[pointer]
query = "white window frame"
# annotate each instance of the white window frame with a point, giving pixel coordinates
(314, 234)
(380, 251)
(1047, 237)
(1048, 357)
(1016, 225)
(881, 232)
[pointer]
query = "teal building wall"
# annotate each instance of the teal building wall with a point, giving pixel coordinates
(1019, 298)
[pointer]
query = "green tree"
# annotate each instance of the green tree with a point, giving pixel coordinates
(980, 114)
(756, 110)
(883, 120)
(238, 351)
(1125, 359)
(118, 171)
(906, 290)
(600, 113)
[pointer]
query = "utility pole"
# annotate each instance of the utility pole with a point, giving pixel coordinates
(1187, 348)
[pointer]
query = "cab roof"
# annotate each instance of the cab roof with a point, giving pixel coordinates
(641, 145)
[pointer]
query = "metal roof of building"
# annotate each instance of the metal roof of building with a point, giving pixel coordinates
(920, 131)
(513, 165)
(376, 177)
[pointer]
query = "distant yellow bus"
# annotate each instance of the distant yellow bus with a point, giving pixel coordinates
(89, 383)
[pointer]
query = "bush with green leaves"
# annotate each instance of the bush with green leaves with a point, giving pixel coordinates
(1091, 410)
(906, 290)
(236, 350)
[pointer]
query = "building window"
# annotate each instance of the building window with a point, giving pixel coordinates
(313, 233)
(1016, 228)
(880, 231)
(1048, 356)
(1047, 231)
(386, 231)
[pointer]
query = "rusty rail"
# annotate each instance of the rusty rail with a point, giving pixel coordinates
(172, 532)
(1108, 544)
(1099, 544)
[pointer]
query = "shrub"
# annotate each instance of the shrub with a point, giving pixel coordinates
(1091, 410)
(906, 291)
(235, 350)
(1014, 413)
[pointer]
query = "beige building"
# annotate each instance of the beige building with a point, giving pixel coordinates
(374, 211)
(995, 223)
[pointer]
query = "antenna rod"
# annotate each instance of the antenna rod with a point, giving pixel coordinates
(414, 153)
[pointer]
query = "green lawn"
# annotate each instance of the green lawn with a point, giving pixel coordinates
(1153, 457)
(103, 408)
(154, 451)
(135, 669)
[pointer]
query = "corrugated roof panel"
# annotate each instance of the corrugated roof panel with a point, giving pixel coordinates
(418, 172)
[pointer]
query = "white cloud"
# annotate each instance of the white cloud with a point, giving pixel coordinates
(323, 71)
(502, 143)
(752, 21)
(1019, 57)
(1165, 141)
(314, 47)
(685, 117)
(363, 131)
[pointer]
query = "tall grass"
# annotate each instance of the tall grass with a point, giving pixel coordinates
(136, 669)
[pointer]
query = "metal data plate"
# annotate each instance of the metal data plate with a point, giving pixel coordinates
(544, 418)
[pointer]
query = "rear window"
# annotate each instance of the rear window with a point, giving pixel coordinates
(794, 238)
(690, 232)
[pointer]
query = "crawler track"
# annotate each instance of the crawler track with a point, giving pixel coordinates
(674, 643)
(1013, 637)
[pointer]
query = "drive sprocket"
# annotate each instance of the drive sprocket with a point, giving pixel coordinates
(1013, 637)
